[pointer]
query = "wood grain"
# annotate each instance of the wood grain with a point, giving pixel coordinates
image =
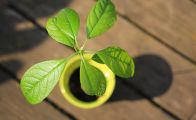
(193, 117)
(19, 61)
(194, 1)
(121, 106)
(172, 21)
(162, 70)
(14, 107)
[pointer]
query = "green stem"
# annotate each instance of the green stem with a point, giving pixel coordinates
(76, 47)
(81, 54)
(84, 44)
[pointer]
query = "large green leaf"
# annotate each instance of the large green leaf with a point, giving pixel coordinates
(92, 79)
(101, 18)
(40, 79)
(64, 27)
(118, 60)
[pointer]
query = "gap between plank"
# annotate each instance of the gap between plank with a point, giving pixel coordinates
(22, 13)
(184, 71)
(130, 85)
(47, 100)
(193, 1)
(13, 76)
(27, 17)
(157, 39)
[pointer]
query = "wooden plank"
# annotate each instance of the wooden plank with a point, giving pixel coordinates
(139, 45)
(193, 117)
(18, 62)
(194, 1)
(172, 21)
(181, 96)
(3, 3)
(20, 36)
(14, 107)
(156, 69)
(121, 106)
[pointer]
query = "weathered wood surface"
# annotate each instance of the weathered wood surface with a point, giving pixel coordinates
(18, 62)
(194, 1)
(173, 21)
(3, 3)
(193, 117)
(121, 106)
(160, 83)
(14, 107)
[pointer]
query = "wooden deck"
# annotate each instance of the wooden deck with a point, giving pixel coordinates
(160, 34)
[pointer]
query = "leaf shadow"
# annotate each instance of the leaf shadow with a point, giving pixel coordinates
(17, 32)
(14, 64)
(153, 77)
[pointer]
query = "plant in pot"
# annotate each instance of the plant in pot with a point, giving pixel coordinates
(86, 78)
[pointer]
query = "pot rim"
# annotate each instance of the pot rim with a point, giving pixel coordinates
(72, 64)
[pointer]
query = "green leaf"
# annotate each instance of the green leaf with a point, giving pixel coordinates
(40, 79)
(92, 79)
(97, 59)
(64, 27)
(101, 18)
(118, 60)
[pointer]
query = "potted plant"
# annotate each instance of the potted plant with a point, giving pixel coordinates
(86, 78)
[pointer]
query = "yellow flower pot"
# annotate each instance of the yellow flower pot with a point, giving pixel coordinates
(71, 66)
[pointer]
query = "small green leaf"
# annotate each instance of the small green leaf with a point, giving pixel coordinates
(101, 18)
(118, 60)
(64, 27)
(92, 80)
(40, 79)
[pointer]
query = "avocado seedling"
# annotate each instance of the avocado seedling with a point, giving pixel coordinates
(39, 80)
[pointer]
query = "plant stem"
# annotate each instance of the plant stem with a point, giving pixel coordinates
(84, 44)
(76, 47)
(80, 50)
(81, 54)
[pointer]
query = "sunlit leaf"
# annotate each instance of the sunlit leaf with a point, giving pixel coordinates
(101, 18)
(64, 27)
(40, 79)
(118, 60)
(92, 79)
